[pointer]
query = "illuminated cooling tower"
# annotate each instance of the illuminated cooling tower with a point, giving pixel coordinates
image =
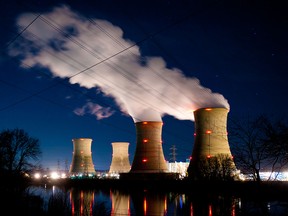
(120, 158)
(210, 135)
(149, 157)
(82, 163)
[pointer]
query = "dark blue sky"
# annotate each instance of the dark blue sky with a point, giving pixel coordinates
(81, 69)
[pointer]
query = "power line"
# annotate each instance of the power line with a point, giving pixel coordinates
(23, 30)
(83, 47)
(151, 35)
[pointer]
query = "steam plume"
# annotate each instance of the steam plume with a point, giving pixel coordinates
(93, 53)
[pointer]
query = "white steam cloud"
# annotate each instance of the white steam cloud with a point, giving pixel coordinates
(94, 109)
(93, 53)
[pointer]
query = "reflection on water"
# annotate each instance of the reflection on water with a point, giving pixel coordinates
(120, 203)
(214, 205)
(149, 203)
(115, 202)
(81, 202)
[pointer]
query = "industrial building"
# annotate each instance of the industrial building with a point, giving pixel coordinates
(149, 161)
(149, 156)
(120, 158)
(210, 140)
(210, 137)
(82, 163)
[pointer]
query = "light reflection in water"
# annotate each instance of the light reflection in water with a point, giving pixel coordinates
(180, 202)
(145, 206)
(120, 203)
(148, 202)
(81, 202)
(210, 210)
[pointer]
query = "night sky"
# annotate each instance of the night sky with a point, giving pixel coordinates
(75, 69)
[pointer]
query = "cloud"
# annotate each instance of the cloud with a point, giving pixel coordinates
(93, 53)
(94, 109)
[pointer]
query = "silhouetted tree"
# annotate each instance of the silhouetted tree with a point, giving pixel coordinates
(217, 168)
(276, 138)
(259, 145)
(18, 154)
(18, 151)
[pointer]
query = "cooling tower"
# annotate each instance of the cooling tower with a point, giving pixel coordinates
(82, 163)
(149, 157)
(120, 158)
(210, 136)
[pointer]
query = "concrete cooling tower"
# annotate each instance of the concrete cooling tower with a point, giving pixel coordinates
(210, 136)
(149, 157)
(120, 158)
(82, 163)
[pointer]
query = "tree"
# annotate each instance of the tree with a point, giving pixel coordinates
(18, 151)
(277, 141)
(220, 167)
(259, 145)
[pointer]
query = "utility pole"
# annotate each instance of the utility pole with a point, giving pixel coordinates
(58, 166)
(66, 166)
(173, 153)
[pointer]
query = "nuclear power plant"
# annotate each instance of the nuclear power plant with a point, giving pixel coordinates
(210, 136)
(149, 157)
(149, 161)
(82, 164)
(210, 140)
(120, 158)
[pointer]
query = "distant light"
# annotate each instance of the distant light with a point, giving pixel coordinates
(144, 160)
(145, 140)
(145, 122)
(194, 134)
(55, 175)
(37, 175)
(208, 131)
(208, 156)
(208, 109)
